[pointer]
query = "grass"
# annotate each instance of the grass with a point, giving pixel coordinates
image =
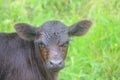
(95, 56)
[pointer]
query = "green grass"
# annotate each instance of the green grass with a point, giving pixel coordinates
(95, 56)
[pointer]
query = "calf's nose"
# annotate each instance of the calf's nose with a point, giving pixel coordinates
(56, 63)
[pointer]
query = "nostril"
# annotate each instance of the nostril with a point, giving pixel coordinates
(60, 63)
(51, 63)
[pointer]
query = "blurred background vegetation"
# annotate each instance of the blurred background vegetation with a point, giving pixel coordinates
(95, 56)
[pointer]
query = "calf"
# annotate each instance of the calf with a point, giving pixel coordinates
(37, 53)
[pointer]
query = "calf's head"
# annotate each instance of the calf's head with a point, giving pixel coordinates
(53, 39)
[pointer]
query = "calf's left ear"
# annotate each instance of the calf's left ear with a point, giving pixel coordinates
(25, 31)
(80, 28)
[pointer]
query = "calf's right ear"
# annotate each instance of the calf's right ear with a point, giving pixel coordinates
(25, 31)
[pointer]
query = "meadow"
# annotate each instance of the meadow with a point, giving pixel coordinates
(94, 56)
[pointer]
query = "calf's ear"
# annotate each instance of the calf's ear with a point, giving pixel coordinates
(25, 31)
(80, 28)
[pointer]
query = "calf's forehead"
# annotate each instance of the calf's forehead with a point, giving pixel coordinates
(54, 32)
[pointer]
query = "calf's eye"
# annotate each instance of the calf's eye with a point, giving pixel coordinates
(42, 45)
(65, 44)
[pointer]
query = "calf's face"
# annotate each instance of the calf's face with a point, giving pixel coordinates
(53, 39)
